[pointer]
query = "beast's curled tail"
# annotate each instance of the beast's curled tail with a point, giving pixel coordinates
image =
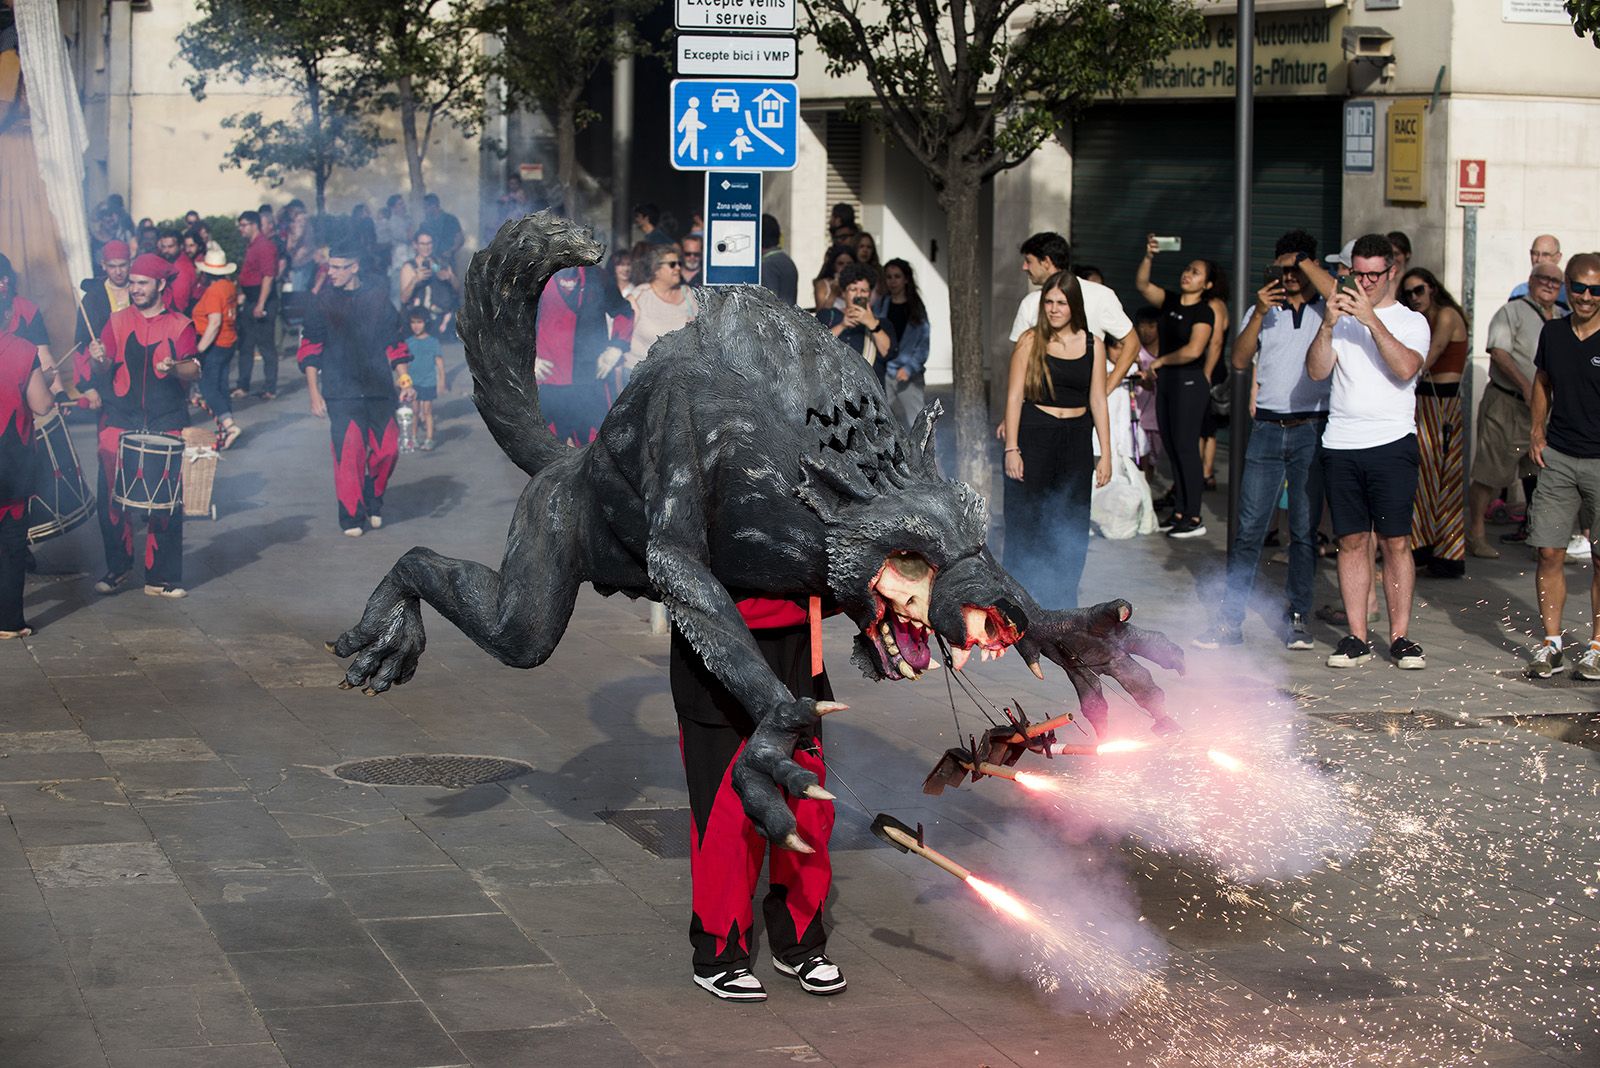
(498, 323)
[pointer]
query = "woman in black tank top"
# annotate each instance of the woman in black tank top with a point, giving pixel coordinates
(1055, 401)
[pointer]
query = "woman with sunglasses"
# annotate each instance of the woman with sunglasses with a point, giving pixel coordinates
(1438, 519)
(661, 302)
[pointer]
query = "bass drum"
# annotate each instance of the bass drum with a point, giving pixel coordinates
(61, 498)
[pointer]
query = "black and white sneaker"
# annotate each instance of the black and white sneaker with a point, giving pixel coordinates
(817, 974)
(1350, 652)
(735, 984)
(1544, 661)
(1407, 654)
(1189, 528)
(1167, 522)
(1299, 638)
(110, 581)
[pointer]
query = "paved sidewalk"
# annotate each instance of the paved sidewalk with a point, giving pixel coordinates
(183, 881)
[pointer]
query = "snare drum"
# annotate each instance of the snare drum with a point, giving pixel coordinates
(61, 497)
(149, 472)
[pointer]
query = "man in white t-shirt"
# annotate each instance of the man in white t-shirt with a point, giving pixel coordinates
(1373, 348)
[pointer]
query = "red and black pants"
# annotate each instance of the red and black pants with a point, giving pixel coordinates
(163, 538)
(366, 444)
(726, 851)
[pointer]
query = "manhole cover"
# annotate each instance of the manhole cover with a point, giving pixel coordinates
(448, 770)
(1398, 721)
(1579, 728)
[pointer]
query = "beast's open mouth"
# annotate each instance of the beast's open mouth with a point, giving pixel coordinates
(900, 634)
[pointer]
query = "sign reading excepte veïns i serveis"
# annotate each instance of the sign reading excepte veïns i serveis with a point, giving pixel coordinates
(735, 15)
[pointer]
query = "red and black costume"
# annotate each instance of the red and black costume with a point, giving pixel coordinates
(725, 849)
(24, 321)
(135, 397)
(573, 331)
(354, 338)
(183, 287)
(18, 360)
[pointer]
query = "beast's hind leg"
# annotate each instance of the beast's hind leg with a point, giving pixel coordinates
(516, 614)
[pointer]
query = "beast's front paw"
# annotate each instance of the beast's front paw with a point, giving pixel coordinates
(1090, 642)
(766, 770)
(386, 644)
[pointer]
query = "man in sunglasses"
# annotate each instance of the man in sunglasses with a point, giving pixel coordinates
(1372, 346)
(1504, 421)
(692, 251)
(1565, 445)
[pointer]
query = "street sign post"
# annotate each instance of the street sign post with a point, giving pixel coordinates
(715, 55)
(1472, 183)
(732, 16)
(751, 125)
(733, 228)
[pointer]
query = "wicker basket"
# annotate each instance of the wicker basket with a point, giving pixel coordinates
(199, 473)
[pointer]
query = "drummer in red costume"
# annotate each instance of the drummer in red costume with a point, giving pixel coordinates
(20, 317)
(23, 395)
(142, 365)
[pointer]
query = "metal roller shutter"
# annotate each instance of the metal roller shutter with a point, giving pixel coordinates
(1168, 168)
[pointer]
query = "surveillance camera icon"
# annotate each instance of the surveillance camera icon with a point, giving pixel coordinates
(733, 243)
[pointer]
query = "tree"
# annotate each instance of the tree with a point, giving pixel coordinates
(969, 96)
(1585, 16)
(299, 48)
(551, 48)
(423, 59)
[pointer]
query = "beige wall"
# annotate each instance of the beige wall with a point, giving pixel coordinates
(163, 149)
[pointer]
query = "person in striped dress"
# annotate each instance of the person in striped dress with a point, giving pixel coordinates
(1439, 517)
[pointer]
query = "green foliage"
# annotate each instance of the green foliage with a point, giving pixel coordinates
(967, 85)
(304, 49)
(1585, 19)
(551, 48)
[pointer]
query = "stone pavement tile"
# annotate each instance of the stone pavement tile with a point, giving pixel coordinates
(314, 790)
(106, 717)
(371, 851)
(30, 940)
(52, 767)
(56, 1041)
(498, 824)
(455, 942)
(12, 858)
(321, 975)
(914, 1034)
(254, 1055)
(492, 999)
(264, 925)
(140, 1018)
(397, 1035)
(111, 864)
(220, 833)
(135, 936)
(349, 821)
(179, 780)
(72, 812)
(500, 870)
(208, 885)
(597, 1044)
(45, 987)
(401, 894)
(584, 909)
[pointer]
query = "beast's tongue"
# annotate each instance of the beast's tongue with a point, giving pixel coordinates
(913, 646)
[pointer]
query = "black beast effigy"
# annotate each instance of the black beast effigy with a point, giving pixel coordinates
(751, 455)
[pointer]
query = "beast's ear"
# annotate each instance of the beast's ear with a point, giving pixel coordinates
(922, 438)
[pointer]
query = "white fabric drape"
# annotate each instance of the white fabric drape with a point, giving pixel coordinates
(60, 135)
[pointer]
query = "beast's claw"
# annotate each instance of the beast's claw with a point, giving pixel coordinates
(346, 684)
(795, 842)
(385, 645)
(817, 793)
(1089, 643)
(329, 646)
(825, 707)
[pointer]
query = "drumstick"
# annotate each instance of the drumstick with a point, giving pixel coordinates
(85, 313)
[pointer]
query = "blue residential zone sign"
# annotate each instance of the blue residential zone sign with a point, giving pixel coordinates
(749, 125)
(733, 228)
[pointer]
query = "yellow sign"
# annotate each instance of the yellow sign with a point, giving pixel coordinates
(1403, 170)
(1297, 53)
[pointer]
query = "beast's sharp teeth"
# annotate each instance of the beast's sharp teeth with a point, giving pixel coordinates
(907, 670)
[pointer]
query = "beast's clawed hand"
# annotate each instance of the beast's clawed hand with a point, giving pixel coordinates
(1090, 642)
(386, 644)
(766, 770)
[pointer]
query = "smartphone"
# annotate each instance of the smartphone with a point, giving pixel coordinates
(1169, 244)
(1274, 274)
(861, 302)
(1348, 283)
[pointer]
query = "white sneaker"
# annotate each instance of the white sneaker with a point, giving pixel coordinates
(1588, 665)
(817, 974)
(352, 532)
(1545, 659)
(737, 984)
(1578, 549)
(375, 521)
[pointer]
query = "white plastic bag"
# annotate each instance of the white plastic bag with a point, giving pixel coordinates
(1122, 507)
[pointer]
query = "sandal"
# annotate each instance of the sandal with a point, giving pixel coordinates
(229, 435)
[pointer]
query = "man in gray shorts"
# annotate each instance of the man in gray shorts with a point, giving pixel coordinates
(1566, 395)
(1504, 422)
